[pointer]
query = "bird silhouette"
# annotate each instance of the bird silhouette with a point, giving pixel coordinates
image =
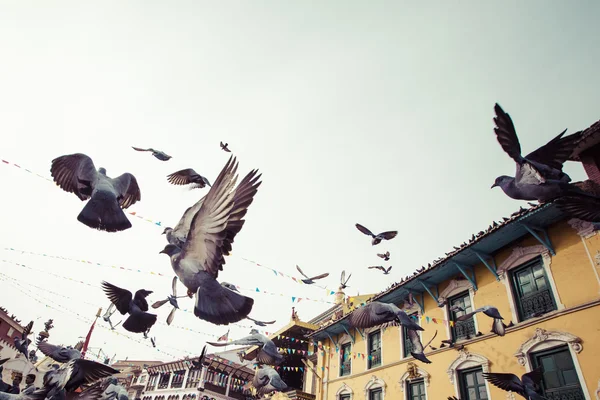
(162, 156)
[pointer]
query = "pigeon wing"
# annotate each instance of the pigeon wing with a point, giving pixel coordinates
(379, 267)
(507, 382)
(140, 298)
(532, 378)
(174, 286)
(528, 174)
(414, 338)
(128, 190)
(364, 230)
(325, 275)
(368, 316)
(557, 151)
(119, 297)
(581, 207)
(468, 315)
(183, 177)
(68, 172)
(388, 235)
(91, 370)
(343, 277)
(159, 303)
(183, 226)
(138, 149)
(47, 349)
(27, 330)
(171, 316)
(506, 134)
(303, 274)
(389, 269)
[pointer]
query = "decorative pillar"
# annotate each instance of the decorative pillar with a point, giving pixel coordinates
(228, 385)
(202, 376)
(185, 378)
(171, 375)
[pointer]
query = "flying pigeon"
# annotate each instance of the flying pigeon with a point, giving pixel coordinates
(139, 320)
(153, 341)
(186, 177)
(198, 364)
(539, 174)
(385, 271)
(310, 281)
(172, 299)
(59, 353)
(583, 207)
(417, 347)
(76, 173)
(261, 323)
(23, 342)
(106, 317)
(376, 313)
(225, 148)
(266, 380)
(343, 280)
(113, 390)
(377, 238)
(162, 156)
(267, 354)
(385, 256)
(211, 233)
(498, 326)
(511, 383)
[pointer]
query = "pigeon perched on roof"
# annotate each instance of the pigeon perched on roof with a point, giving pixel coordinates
(526, 386)
(210, 236)
(417, 347)
(23, 342)
(266, 380)
(379, 237)
(385, 256)
(172, 299)
(188, 177)
(343, 280)
(384, 270)
(261, 323)
(311, 280)
(225, 148)
(59, 353)
(498, 326)
(267, 354)
(377, 313)
(539, 174)
(139, 320)
(76, 173)
(162, 156)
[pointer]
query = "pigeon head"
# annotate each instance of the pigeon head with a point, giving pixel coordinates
(253, 331)
(169, 250)
(167, 229)
(102, 170)
(502, 181)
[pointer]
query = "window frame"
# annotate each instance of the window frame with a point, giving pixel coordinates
(512, 278)
(379, 331)
(341, 361)
(409, 388)
(450, 299)
(462, 389)
(375, 390)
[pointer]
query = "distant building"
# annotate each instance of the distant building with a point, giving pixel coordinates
(130, 370)
(10, 327)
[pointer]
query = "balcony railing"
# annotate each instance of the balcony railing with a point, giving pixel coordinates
(573, 393)
(535, 303)
(345, 367)
(375, 360)
(464, 329)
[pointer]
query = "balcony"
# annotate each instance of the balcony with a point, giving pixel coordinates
(464, 329)
(536, 303)
(573, 393)
(300, 395)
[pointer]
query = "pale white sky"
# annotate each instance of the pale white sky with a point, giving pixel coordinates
(371, 112)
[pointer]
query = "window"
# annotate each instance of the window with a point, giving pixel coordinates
(346, 359)
(532, 291)
(406, 340)
(461, 329)
(374, 350)
(416, 390)
(375, 394)
(344, 397)
(10, 331)
(472, 384)
(560, 379)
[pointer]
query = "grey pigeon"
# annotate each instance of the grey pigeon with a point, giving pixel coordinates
(23, 342)
(417, 347)
(538, 175)
(172, 299)
(139, 320)
(379, 237)
(211, 234)
(343, 280)
(178, 236)
(186, 177)
(114, 391)
(261, 323)
(381, 268)
(267, 354)
(377, 313)
(106, 317)
(266, 380)
(526, 386)
(76, 173)
(201, 359)
(308, 280)
(162, 156)
(59, 353)
(498, 326)
(385, 256)
(224, 147)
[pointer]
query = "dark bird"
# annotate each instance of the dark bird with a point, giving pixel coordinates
(106, 317)
(230, 286)
(113, 391)
(139, 320)
(267, 354)
(585, 208)
(417, 347)
(266, 380)
(377, 238)
(498, 326)
(526, 386)
(310, 281)
(59, 353)
(198, 364)
(379, 267)
(162, 156)
(225, 147)
(23, 342)
(261, 323)
(76, 173)
(172, 299)
(211, 234)
(187, 177)
(153, 341)
(377, 313)
(70, 376)
(343, 280)
(385, 256)
(91, 393)
(539, 174)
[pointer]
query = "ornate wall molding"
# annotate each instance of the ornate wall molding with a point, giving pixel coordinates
(455, 286)
(416, 372)
(344, 389)
(521, 255)
(543, 339)
(584, 229)
(374, 383)
(467, 360)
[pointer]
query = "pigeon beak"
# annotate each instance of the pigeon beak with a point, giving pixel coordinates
(493, 186)
(162, 252)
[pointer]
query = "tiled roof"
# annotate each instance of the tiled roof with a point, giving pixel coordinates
(589, 138)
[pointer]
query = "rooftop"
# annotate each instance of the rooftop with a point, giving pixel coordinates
(589, 138)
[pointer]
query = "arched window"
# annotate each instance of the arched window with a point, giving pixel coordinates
(466, 373)
(375, 389)
(344, 393)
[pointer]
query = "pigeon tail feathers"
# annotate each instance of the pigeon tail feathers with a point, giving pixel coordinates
(102, 212)
(139, 322)
(221, 306)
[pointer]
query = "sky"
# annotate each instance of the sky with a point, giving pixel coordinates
(371, 112)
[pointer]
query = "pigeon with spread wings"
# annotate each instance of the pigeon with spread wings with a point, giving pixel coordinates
(188, 177)
(526, 386)
(344, 280)
(139, 320)
(161, 155)
(381, 268)
(267, 354)
(212, 231)
(261, 323)
(225, 147)
(310, 281)
(385, 256)
(58, 353)
(388, 235)
(172, 299)
(498, 326)
(22, 343)
(76, 173)
(201, 359)
(376, 313)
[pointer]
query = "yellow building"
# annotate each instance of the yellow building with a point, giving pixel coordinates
(539, 268)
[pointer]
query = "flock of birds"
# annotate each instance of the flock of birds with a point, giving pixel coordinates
(204, 235)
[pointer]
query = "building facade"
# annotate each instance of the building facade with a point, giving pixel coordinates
(9, 328)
